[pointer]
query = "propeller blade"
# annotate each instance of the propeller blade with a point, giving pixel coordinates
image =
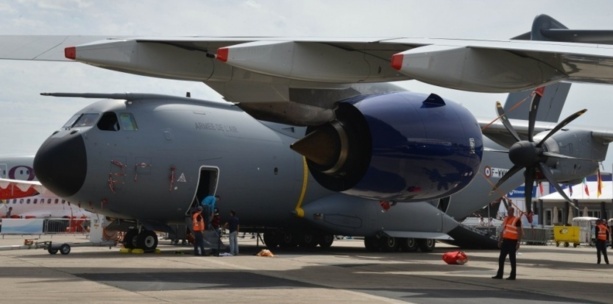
(506, 176)
(505, 121)
(495, 150)
(534, 107)
(561, 125)
(528, 186)
(558, 155)
(549, 178)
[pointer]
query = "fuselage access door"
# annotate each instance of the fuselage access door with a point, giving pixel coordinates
(207, 184)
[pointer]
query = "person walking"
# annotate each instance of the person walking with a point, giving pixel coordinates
(508, 242)
(198, 228)
(602, 233)
(233, 226)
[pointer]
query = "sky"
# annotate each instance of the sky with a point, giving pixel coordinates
(27, 119)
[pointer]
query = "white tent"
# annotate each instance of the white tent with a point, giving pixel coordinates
(580, 194)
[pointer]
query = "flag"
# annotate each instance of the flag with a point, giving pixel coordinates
(541, 188)
(599, 183)
(587, 191)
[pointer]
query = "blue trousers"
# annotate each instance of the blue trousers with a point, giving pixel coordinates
(198, 243)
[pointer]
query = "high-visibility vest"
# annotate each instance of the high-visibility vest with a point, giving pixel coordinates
(602, 232)
(510, 228)
(197, 222)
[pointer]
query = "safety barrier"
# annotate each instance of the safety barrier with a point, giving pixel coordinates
(45, 226)
(537, 236)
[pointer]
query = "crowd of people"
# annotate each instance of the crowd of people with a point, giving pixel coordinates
(206, 217)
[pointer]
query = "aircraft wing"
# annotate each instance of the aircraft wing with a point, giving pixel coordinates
(10, 188)
(475, 65)
(296, 80)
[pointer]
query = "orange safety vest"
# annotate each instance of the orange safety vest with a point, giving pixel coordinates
(197, 222)
(602, 232)
(510, 228)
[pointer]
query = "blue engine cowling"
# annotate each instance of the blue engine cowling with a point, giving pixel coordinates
(400, 147)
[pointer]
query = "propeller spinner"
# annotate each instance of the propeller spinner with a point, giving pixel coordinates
(531, 155)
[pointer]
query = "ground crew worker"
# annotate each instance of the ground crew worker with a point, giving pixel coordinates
(508, 242)
(198, 228)
(602, 233)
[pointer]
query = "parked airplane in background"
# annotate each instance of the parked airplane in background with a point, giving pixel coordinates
(27, 198)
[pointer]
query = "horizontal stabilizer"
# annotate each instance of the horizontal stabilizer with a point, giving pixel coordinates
(545, 28)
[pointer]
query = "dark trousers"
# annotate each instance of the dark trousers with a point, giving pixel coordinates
(508, 247)
(601, 247)
(198, 243)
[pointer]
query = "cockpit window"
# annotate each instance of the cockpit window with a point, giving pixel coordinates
(108, 122)
(85, 120)
(127, 122)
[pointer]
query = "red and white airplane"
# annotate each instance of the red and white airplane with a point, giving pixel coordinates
(25, 197)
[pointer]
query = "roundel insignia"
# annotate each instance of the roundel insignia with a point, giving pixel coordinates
(487, 171)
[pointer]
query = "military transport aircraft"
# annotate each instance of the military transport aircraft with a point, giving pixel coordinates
(365, 138)
(145, 160)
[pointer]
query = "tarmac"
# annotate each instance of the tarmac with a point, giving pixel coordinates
(345, 273)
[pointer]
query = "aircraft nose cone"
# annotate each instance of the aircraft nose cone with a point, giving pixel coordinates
(61, 164)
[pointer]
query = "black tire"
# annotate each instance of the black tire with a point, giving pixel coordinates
(408, 245)
(129, 239)
(52, 250)
(426, 245)
(307, 240)
(65, 249)
(272, 239)
(388, 244)
(326, 240)
(371, 244)
(147, 240)
(288, 240)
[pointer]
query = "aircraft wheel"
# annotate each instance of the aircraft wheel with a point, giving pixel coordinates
(408, 245)
(272, 239)
(426, 245)
(129, 239)
(326, 240)
(388, 244)
(65, 249)
(288, 240)
(371, 243)
(308, 240)
(147, 240)
(52, 250)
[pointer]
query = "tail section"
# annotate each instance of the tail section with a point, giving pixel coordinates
(517, 105)
(545, 28)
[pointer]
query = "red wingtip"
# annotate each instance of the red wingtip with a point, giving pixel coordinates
(70, 52)
(540, 91)
(222, 54)
(397, 61)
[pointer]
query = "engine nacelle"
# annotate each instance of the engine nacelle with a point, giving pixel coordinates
(400, 146)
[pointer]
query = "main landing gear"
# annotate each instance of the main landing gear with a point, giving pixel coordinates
(392, 244)
(290, 239)
(144, 239)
